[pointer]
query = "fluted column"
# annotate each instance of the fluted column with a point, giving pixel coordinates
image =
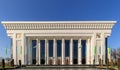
(39, 58)
(71, 51)
(93, 44)
(79, 51)
(88, 52)
(23, 48)
(63, 51)
(26, 51)
(54, 51)
(14, 49)
(46, 52)
(37, 51)
(29, 52)
(103, 49)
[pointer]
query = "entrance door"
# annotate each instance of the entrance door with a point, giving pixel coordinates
(75, 51)
(83, 51)
(42, 51)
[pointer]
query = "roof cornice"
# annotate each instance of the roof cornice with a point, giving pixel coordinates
(58, 22)
(58, 25)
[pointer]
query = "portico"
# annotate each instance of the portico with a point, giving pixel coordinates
(59, 42)
(58, 50)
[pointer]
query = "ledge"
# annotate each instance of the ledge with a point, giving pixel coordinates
(56, 25)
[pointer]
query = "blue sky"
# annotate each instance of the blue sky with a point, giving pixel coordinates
(61, 10)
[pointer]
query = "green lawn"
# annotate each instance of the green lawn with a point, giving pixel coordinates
(6, 67)
(115, 67)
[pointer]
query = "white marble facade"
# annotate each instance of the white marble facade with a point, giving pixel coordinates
(95, 33)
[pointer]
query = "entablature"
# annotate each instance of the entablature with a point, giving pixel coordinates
(91, 25)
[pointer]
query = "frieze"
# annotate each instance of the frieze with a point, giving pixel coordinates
(57, 26)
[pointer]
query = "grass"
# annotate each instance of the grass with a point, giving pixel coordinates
(7, 67)
(113, 67)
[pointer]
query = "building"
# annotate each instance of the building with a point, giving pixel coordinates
(59, 42)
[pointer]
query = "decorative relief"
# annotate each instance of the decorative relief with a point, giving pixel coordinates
(37, 26)
(18, 35)
(98, 35)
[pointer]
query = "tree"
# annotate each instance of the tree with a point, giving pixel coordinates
(118, 53)
(113, 53)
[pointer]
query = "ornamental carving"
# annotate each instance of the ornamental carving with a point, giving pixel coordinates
(57, 26)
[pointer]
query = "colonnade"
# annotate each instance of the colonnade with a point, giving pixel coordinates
(63, 58)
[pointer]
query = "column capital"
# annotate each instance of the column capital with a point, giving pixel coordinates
(88, 40)
(63, 38)
(71, 38)
(79, 43)
(37, 38)
(54, 38)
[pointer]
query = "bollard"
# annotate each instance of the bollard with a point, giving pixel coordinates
(20, 63)
(3, 64)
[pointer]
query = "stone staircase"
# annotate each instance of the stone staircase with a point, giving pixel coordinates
(58, 66)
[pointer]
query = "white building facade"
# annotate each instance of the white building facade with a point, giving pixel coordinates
(59, 42)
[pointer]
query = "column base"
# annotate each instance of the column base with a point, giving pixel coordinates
(63, 62)
(71, 62)
(79, 63)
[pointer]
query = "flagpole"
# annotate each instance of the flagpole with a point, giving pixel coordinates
(6, 51)
(94, 53)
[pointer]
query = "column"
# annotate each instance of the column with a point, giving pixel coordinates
(26, 51)
(103, 49)
(54, 51)
(93, 44)
(29, 52)
(88, 52)
(46, 52)
(71, 51)
(37, 51)
(79, 51)
(23, 49)
(63, 51)
(14, 49)
(91, 48)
